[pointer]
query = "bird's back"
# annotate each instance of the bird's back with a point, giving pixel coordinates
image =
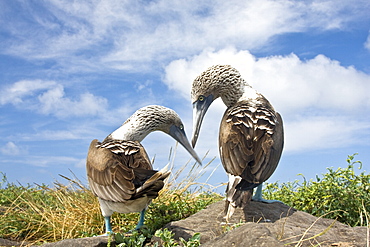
(251, 141)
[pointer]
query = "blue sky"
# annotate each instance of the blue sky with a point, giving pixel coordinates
(73, 71)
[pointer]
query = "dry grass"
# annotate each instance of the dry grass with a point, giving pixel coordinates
(41, 214)
(38, 214)
(303, 237)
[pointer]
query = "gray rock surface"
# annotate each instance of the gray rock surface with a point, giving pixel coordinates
(8, 243)
(90, 242)
(273, 224)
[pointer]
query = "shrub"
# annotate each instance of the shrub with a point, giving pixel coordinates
(339, 191)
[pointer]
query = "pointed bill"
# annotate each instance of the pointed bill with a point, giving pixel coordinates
(180, 136)
(200, 108)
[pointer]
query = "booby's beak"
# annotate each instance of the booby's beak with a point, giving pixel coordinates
(200, 108)
(180, 136)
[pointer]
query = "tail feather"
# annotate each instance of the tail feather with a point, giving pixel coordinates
(156, 181)
(235, 197)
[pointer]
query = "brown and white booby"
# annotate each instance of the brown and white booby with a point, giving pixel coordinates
(119, 171)
(251, 133)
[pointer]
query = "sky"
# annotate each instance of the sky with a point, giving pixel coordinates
(73, 71)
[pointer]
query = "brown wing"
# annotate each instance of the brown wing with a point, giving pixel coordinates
(111, 166)
(251, 140)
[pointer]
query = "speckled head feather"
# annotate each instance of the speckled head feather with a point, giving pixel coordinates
(145, 120)
(157, 117)
(221, 81)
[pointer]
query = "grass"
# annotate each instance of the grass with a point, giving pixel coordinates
(41, 214)
(38, 214)
(341, 191)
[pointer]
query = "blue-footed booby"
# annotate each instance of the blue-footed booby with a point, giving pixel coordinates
(251, 135)
(119, 171)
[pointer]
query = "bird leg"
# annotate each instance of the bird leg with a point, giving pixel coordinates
(108, 226)
(258, 196)
(141, 220)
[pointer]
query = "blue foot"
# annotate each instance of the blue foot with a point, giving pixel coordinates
(108, 226)
(258, 196)
(141, 220)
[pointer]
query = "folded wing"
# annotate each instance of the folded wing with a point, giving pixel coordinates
(251, 142)
(119, 171)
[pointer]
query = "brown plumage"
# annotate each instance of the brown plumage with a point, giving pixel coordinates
(116, 169)
(251, 132)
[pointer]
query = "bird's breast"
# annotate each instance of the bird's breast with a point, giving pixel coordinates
(130, 206)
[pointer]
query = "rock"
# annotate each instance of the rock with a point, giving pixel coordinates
(312, 231)
(208, 221)
(8, 243)
(90, 242)
(274, 224)
(250, 234)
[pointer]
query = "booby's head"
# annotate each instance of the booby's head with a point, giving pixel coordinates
(153, 118)
(217, 81)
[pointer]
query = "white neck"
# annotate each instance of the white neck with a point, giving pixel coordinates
(129, 131)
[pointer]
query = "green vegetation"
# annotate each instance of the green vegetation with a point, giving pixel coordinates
(39, 214)
(341, 192)
(166, 237)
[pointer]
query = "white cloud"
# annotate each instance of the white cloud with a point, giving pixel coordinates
(15, 93)
(311, 95)
(48, 97)
(49, 161)
(128, 33)
(54, 102)
(295, 85)
(11, 148)
(54, 135)
(323, 132)
(367, 43)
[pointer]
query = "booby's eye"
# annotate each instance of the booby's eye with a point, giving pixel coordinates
(181, 127)
(201, 98)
